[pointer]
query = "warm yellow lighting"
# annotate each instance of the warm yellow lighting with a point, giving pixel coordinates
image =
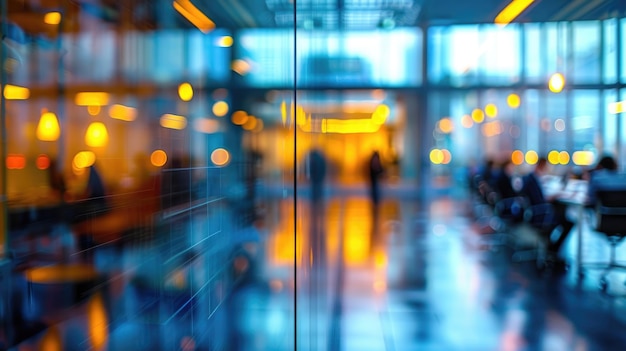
(250, 123)
(491, 110)
(225, 41)
(14, 92)
(259, 126)
(300, 116)
(220, 108)
(51, 340)
(349, 126)
(466, 121)
(194, 15)
(447, 156)
(283, 112)
(205, 125)
(173, 121)
(553, 157)
(239, 118)
(92, 99)
(617, 107)
(517, 157)
(583, 158)
(185, 91)
(220, 157)
(556, 83)
(446, 126)
(241, 67)
(531, 157)
(123, 113)
(158, 158)
(563, 157)
(84, 159)
(436, 156)
(93, 110)
(511, 11)
(48, 128)
(478, 115)
(97, 135)
(52, 18)
(97, 322)
(513, 100)
(381, 114)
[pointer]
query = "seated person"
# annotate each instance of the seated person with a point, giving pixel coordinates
(604, 172)
(557, 218)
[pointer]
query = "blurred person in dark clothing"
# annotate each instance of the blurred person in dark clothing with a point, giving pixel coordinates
(504, 181)
(604, 172)
(533, 190)
(376, 172)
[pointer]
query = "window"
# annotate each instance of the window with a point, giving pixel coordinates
(586, 52)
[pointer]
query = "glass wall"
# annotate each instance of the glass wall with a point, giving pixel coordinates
(169, 179)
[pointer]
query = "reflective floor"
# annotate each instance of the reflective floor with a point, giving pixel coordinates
(420, 275)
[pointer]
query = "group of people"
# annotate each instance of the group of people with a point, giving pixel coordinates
(547, 212)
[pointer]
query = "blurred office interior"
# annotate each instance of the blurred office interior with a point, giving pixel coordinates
(198, 174)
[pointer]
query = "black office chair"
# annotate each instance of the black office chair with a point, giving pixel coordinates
(611, 221)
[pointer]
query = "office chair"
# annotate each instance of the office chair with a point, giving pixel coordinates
(611, 221)
(540, 218)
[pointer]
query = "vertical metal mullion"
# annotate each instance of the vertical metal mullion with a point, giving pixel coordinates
(569, 101)
(620, 95)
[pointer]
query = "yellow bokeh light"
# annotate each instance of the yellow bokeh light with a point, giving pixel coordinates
(225, 41)
(517, 157)
(14, 92)
(98, 322)
(91, 99)
(185, 91)
(158, 158)
(491, 110)
(93, 110)
(220, 157)
(84, 159)
(614, 107)
(447, 156)
(583, 158)
(436, 156)
(123, 113)
(564, 157)
(52, 18)
(48, 128)
(241, 67)
(556, 83)
(446, 125)
(97, 135)
(513, 100)
(466, 121)
(531, 157)
(188, 10)
(250, 123)
(173, 121)
(239, 118)
(381, 114)
(478, 115)
(220, 108)
(553, 157)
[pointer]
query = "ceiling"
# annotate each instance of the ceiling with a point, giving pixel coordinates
(26, 16)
